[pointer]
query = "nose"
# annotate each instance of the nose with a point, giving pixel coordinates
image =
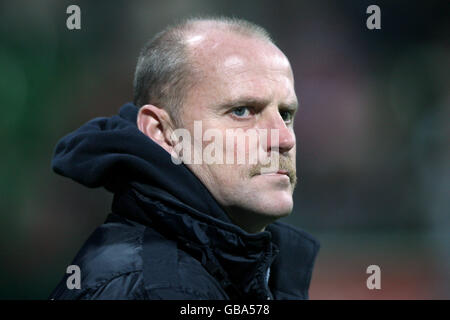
(285, 140)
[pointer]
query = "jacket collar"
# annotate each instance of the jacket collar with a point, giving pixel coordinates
(240, 258)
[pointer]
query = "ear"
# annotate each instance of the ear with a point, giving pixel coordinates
(156, 124)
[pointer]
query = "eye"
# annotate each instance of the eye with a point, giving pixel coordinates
(241, 112)
(286, 115)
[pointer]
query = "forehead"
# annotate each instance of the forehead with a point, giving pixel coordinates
(230, 65)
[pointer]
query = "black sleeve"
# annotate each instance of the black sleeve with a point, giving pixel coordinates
(128, 286)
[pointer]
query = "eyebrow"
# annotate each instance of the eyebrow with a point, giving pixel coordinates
(257, 102)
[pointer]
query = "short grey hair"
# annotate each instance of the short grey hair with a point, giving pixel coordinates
(164, 73)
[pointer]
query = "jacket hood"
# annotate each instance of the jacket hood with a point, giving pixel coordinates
(113, 153)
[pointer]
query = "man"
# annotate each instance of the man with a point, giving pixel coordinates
(196, 229)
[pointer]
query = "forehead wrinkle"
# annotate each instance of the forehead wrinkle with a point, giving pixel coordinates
(254, 91)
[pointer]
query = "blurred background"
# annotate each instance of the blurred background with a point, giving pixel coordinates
(373, 133)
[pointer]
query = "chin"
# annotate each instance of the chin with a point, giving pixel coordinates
(253, 213)
(276, 205)
(277, 211)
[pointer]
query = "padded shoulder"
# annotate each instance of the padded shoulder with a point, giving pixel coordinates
(112, 253)
(124, 260)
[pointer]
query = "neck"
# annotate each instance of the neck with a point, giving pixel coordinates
(251, 222)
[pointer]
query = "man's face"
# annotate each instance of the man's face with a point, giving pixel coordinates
(244, 83)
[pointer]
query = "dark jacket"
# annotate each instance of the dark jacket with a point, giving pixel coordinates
(167, 237)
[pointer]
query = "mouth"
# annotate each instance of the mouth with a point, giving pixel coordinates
(285, 172)
(278, 173)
